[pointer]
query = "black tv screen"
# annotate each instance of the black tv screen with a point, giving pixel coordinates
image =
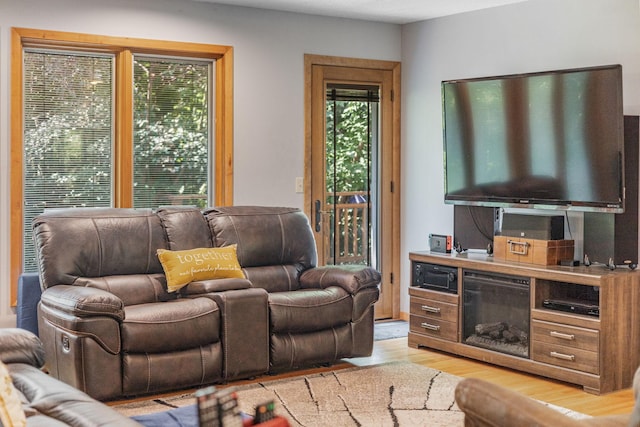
(544, 140)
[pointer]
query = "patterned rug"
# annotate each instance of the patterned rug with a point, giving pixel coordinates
(392, 394)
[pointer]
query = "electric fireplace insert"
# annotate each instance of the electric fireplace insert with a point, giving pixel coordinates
(496, 311)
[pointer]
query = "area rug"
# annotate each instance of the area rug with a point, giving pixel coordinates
(392, 394)
(386, 330)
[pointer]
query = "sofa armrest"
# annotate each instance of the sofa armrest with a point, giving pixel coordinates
(489, 405)
(83, 301)
(215, 285)
(21, 346)
(352, 278)
(52, 402)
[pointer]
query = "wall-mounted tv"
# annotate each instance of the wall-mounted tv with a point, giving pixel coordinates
(551, 139)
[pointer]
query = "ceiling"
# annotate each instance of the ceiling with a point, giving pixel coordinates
(392, 11)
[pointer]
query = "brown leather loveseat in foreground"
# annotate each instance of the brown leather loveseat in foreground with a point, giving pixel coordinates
(111, 327)
(489, 405)
(44, 400)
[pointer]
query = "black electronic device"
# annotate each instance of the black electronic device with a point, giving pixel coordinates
(440, 243)
(570, 306)
(434, 277)
(610, 236)
(474, 227)
(208, 413)
(538, 140)
(542, 227)
(218, 408)
(264, 412)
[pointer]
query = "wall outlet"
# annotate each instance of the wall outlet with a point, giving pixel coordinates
(299, 184)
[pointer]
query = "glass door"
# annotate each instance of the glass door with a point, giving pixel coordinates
(351, 152)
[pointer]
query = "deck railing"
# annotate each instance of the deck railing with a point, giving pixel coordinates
(350, 227)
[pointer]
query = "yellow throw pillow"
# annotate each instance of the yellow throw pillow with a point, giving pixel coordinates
(11, 413)
(182, 267)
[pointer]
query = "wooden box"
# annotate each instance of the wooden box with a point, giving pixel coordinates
(532, 251)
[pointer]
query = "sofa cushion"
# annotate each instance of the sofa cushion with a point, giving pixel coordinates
(186, 228)
(265, 235)
(308, 310)
(170, 326)
(182, 267)
(11, 413)
(95, 242)
(149, 373)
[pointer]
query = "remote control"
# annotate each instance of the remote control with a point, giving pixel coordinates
(264, 412)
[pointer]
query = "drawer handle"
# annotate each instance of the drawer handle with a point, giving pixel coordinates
(563, 356)
(430, 326)
(518, 248)
(568, 337)
(430, 309)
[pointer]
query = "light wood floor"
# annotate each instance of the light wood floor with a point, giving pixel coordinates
(554, 392)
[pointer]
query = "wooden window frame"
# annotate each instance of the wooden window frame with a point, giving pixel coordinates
(123, 49)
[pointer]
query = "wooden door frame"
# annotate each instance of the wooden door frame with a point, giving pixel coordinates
(393, 180)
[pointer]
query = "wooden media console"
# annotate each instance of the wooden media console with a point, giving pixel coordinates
(597, 346)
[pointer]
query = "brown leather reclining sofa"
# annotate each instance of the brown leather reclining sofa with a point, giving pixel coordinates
(45, 400)
(111, 328)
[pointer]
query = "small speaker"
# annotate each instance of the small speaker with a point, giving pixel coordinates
(474, 227)
(614, 237)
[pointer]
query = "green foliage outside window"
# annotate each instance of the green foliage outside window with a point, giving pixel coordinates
(171, 133)
(347, 145)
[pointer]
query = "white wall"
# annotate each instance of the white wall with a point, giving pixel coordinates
(269, 48)
(536, 35)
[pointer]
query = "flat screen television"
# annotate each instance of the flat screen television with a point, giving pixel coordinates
(551, 139)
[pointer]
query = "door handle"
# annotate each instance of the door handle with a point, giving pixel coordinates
(318, 216)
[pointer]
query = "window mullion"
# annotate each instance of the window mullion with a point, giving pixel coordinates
(123, 149)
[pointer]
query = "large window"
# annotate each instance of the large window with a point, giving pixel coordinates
(100, 121)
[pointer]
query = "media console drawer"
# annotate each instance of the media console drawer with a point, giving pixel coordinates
(567, 357)
(433, 313)
(434, 309)
(566, 346)
(570, 336)
(434, 327)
